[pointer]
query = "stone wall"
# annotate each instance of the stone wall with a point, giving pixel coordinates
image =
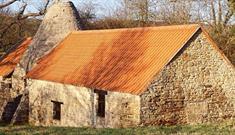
(12, 88)
(79, 106)
(18, 81)
(122, 110)
(197, 86)
(75, 110)
(5, 95)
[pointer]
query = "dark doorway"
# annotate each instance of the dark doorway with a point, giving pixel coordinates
(101, 102)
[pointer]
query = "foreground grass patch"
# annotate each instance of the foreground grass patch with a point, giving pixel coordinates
(212, 129)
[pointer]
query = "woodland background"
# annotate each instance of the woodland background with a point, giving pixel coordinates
(217, 16)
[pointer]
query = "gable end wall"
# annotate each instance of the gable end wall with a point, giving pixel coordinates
(197, 86)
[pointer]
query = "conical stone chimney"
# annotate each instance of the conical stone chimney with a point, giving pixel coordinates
(61, 18)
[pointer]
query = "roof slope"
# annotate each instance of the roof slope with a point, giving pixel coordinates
(123, 60)
(9, 61)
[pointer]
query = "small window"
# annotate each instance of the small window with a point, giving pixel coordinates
(10, 85)
(101, 103)
(56, 110)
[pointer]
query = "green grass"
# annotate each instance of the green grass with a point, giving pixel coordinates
(209, 129)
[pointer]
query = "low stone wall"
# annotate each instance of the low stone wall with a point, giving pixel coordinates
(198, 86)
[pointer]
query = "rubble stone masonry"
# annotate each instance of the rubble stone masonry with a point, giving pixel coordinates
(197, 86)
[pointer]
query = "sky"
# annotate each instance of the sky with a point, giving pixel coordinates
(102, 6)
(101, 2)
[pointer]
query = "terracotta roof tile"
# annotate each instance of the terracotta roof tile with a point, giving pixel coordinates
(9, 61)
(123, 60)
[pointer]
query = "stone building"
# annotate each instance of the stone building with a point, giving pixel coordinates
(124, 77)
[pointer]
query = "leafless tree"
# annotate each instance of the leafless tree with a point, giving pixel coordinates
(13, 22)
(142, 11)
(174, 11)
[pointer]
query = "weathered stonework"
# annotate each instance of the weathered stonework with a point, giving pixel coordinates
(13, 98)
(197, 86)
(80, 106)
(5, 94)
(123, 110)
(76, 107)
(18, 81)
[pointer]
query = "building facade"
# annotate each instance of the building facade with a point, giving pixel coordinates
(164, 75)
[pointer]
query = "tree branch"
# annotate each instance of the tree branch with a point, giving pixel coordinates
(7, 3)
(19, 17)
(213, 13)
(228, 16)
(23, 16)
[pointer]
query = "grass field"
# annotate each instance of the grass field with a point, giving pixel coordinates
(212, 129)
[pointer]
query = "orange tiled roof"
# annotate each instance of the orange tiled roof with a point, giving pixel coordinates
(9, 62)
(123, 60)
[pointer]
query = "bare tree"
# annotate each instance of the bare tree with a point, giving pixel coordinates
(142, 11)
(175, 11)
(12, 28)
(87, 12)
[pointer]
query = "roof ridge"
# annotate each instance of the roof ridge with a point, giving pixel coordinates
(15, 46)
(139, 28)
